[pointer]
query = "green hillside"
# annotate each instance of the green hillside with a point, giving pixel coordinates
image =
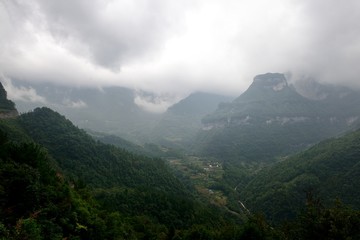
(145, 197)
(105, 165)
(37, 202)
(331, 169)
(57, 182)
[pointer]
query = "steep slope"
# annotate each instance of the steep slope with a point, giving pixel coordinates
(104, 165)
(36, 202)
(136, 197)
(270, 119)
(331, 169)
(134, 185)
(180, 123)
(7, 107)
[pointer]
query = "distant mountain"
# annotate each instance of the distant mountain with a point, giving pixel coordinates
(110, 110)
(331, 169)
(337, 100)
(60, 183)
(180, 123)
(270, 119)
(198, 103)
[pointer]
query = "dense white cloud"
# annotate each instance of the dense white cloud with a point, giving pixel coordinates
(74, 104)
(24, 94)
(179, 46)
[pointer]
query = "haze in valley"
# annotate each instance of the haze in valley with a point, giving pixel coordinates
(173, 48)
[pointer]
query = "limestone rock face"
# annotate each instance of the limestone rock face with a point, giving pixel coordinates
(9, 114)
(274, 81)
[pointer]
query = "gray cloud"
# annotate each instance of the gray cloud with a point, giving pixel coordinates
(179, 46)
(74, 104)
(111, 31)
(24, 94)
(154, 103)
(333, 50)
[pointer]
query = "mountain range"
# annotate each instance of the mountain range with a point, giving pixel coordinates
(263, 152)
(271, 119)
(114, 110)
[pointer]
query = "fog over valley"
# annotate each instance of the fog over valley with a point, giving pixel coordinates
(190, 119)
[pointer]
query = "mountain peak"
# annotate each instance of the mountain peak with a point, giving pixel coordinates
(268, 86)
(274, 81)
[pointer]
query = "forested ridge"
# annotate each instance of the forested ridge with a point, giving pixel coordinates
(140, 194)
(330, 168)
(59, 183)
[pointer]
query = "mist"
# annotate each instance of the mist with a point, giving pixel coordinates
(175, 48)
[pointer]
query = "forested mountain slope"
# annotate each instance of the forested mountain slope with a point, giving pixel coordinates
(37, 202)
(74, 187)
(330, 169)
(270, 119)
(100, 164)
(143, 190)
(181, 122)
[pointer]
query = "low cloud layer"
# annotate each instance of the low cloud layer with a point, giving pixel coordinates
(23, 94)
(168, 46)
(74, 104)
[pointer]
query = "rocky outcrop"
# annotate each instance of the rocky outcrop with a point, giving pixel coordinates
(273, 81)
(9, 114)
(7, 107)
(273, 118)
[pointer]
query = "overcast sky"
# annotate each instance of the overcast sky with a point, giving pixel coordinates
(178, 46)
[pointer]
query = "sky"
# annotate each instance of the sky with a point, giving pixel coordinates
(173, 47)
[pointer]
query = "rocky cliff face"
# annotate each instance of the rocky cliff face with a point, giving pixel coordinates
(273, 118)
(8, 114)
(270, 100)
(271, 81)
(7, 107)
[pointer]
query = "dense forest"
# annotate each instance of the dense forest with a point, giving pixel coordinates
(331, 169)
(59, 182)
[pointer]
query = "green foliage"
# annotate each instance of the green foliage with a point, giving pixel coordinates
(43, 193)
(331, 168)
(319, 222)
(28, 229)
(133, 185)
(36, 202)
(98, 164)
